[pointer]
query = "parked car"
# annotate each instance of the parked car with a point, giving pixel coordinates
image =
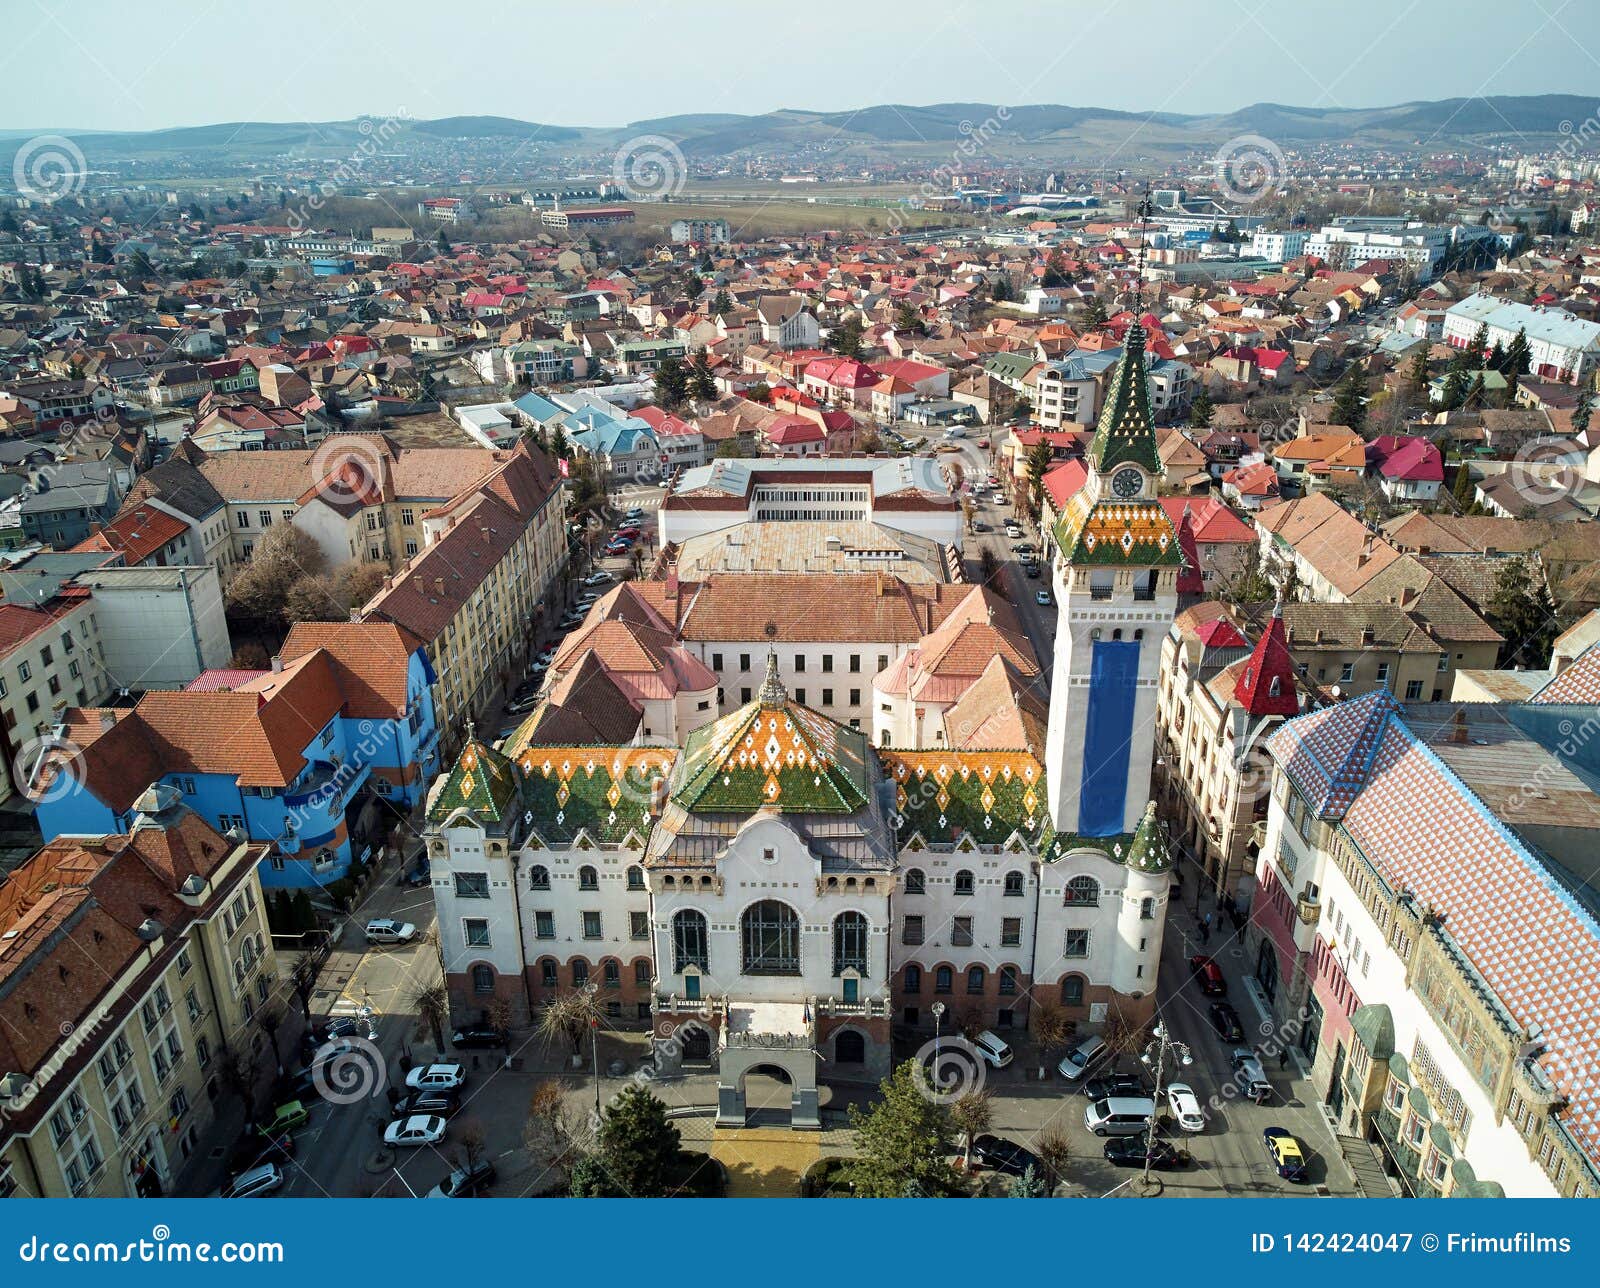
(992, 1049)
(1249, 1074)
(1042, 598)
(480, 1036)
(420, 1129)
(1113, 1084)
(633, 514)
(521, 706)
(570, 620)
(436, 1104)
(1287, 1157)
(464, 1182)
(983, 442)
(253, 1183)
(433, 1077)
(1130, 1151)
(1026, 548)
(599, 578)
(1080, 1055)
(419, 875)
(626, 533)
(286, 1117)
(386, 930)
(1031, 571)
(1119, 1115)
(584, 600)
(1225, 1020)
(1002, 1155)
(980, 527)
(337, 1026)
(1185, 1107)
(1209, 974)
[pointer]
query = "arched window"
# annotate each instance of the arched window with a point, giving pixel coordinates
(1008, 981)
(689, 943)
(482, 979)
(849, 943)
(849, 1047)
(588, 879)
(613, 972)
(635, 877)
(912, 979)
(1072, 990)
(580, 972)
(642, 972)
(549, 972)
(1083, 892)
(944, 980)
(770, 933)
(539, 877)
(249, 953)
(963, 882)
(883, 738)
(975, 980)
(1014, 884)
(916, 882)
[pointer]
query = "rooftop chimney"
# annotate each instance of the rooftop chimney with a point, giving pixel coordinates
(438, 585)
(422, 585)
(108, 721)
(277, 663)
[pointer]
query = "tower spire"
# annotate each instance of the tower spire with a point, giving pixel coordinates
(1144, 210)
(773, 693)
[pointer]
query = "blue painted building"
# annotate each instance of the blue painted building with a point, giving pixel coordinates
(310, 757)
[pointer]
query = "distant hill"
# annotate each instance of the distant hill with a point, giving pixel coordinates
(1038, 131)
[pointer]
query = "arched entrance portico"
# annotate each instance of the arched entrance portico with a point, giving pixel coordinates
(796, 1065)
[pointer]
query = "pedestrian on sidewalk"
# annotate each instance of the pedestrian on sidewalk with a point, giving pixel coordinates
(1283, 1058)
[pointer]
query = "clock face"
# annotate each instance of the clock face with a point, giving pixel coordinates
(1127, 483)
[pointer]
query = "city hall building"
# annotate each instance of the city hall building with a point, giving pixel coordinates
(774, 891)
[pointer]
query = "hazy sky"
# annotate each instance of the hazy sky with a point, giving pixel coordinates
(111, 64)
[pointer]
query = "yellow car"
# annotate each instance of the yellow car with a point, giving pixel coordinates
(1285, 1152)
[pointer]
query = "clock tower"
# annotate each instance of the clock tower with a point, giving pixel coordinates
(1116, 589)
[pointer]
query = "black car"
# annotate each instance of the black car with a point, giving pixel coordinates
(1002, 1155)
(483, 1037)
(1129, 1151)
(1225, 1020)
(251, 1150)
(1113, 1084)
(340, 1026)
(433, 1103)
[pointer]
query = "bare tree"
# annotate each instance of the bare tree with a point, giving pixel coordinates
(303, 979)
(1052, 1027)
(471, 1140)
(547, 1132)
(972, 1115)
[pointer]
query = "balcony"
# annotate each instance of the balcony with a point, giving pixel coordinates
(769, 1026)
(1308, 910)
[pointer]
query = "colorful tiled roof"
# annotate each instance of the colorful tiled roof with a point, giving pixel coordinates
(1532, 941)
(1328, 753)
(483, 783)
(604, 792)
(987, 795)
(1579, 682)
(772, 753)
(1125, 433)
(1117, 534)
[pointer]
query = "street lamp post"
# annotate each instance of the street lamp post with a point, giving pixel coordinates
(1159, 1047)
(594, 1059)
(938, 1017)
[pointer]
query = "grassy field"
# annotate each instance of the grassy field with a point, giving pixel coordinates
(758, 218)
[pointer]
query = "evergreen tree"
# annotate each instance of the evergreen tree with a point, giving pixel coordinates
(1474, 395)
(1000, 289)
(721, 303)
(902, 1138)
(1580, 417)
(672, 384)
(1350, 400)
(1200, 410)
(1455, 388)
(1030, 1185)
(639, 1148)
(1417, 374)
(1055, 271)
(8, 222)
(1038, 465)
(1478, 350)
(1497, 359)
(693, 286)
(1517, 361)
(1097, 313)
(847, 338)
(590, 1181)
(1521, 609)
(702, 384)
(1461, 491)
(907, 321)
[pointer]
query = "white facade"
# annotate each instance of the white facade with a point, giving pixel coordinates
(1278, 246)
(160, 627)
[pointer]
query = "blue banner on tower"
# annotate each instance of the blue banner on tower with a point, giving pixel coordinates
(1107, 737)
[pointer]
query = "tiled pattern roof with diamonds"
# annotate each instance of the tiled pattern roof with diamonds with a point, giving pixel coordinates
(482, 783)
(604, 792)
(986, 795)
(1117, 534)
(781, 756)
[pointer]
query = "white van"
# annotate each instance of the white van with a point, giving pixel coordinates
(1080, 1056)
(993, 1050)
(1119, 1115)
